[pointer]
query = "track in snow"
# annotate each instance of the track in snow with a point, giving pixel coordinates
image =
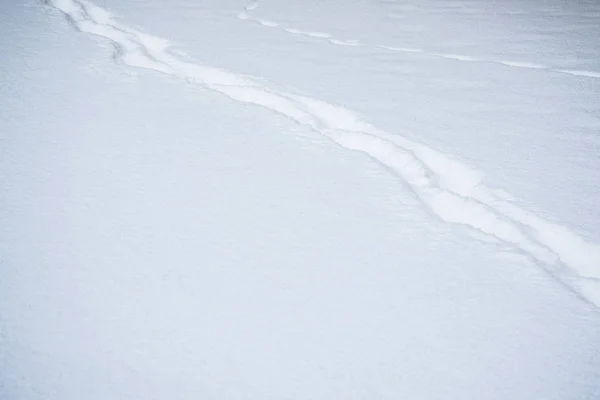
(450, 190)
(246, 15)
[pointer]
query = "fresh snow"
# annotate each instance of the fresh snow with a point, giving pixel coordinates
(275, 203)
(452, 191)
(245, 15)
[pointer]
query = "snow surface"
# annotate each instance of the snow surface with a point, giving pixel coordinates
(280, 200)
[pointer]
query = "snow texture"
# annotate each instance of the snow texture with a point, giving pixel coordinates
(299, 200)
(246, 15)
(452, 191)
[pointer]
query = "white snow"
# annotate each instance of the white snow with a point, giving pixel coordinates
(466, 58)
(300, 200)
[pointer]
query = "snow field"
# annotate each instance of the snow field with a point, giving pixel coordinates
(452, 191)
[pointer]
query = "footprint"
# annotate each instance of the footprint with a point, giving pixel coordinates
(345, 42)
(520, 64)
(265, 22)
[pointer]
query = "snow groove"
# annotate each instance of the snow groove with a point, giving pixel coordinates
(450, 190)
(247, 15)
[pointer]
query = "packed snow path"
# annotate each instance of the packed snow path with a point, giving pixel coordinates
(451, 191)
(252, 6)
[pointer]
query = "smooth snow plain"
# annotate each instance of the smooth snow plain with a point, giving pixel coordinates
(300, 200)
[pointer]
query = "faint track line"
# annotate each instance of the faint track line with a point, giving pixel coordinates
(254, 5)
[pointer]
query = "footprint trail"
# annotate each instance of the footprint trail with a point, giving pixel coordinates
(450, 190)
(247, 15)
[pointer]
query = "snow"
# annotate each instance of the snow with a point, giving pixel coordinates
(300, 200)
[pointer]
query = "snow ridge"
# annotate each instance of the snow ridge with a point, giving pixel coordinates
(450, 190)
(247, 16)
